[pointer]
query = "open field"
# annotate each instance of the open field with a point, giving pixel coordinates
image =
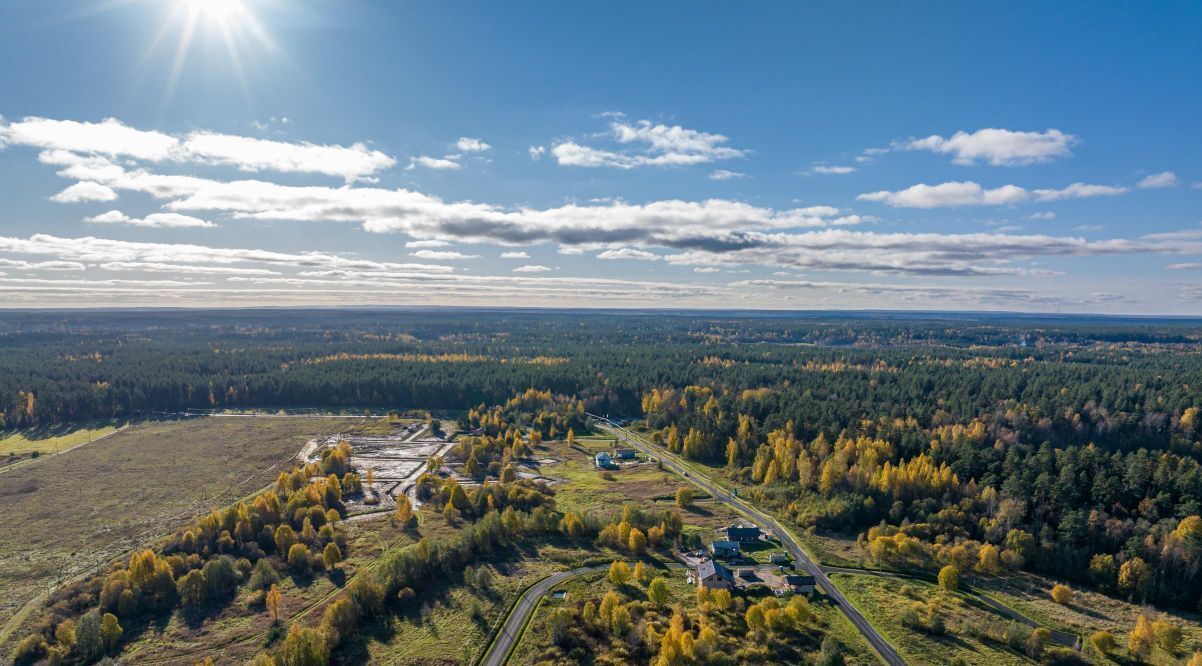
(584, 488)
(67, 514)
(882, 601)
(16, 445)
(1090, 612)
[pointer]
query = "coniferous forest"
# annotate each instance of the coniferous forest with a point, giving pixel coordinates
(1066, 445)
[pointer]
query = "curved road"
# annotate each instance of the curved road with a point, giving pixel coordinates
(515, 622)
(878, 642)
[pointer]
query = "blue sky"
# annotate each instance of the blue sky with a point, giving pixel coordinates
(1025, 156)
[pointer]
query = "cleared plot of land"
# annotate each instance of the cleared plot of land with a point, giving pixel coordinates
(586, 488)
(67, 514)
(20, 444)
(883, 600)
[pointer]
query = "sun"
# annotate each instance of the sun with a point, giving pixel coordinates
(221, 11)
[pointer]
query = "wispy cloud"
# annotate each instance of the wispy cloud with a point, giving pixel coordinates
(995, 146)
(648, 144)
(155, 220)
(469, 145)
(85, 192)
(1158, 181)
(968, 193)
(723, 174)
(827, 169)
(629, 253)
(112, 138)
(514, 255)
(533, 268)
(436, 163)
(443, 255)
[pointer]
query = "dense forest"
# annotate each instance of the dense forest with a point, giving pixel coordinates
(68, 366)
(1068, 445)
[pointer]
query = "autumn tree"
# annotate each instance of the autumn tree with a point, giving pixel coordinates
(1142, 639)
(404, 511)
(684, 497)
(658, 592)
(949, 578)
(1062, 594)
(331, 555)
(274, 599)
(619, 573)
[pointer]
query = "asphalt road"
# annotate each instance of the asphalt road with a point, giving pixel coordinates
(511, 631)
(670, 461)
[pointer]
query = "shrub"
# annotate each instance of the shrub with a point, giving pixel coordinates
(1062, 594)
(31, 649)
(1104, 642)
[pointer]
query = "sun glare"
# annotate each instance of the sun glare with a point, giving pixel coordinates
(218, 10)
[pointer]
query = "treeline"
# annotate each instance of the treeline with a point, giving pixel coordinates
(61, 367)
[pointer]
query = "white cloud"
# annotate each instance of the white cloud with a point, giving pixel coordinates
(999, 147)
(85, 191)
(514, 255)
(159, 267)
(707, 269)
(629, 253)
(533, 268)
(436, 163)
(1186, 266)
(832, 170)
(968, 193)
(156, 220)
(426, 243)
(723, 174)
(113, 139)
(42, 265)
(1158, 181)
(249, 154)
(1042, 215)
(537, 152)
(470, 145)
(655, 145)
(442, 255)
(570, 251)
(1087, 227)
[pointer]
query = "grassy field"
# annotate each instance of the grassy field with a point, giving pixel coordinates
(882, 600)
(67, 514)
(16, 445)
(454, 626)
(1090, 612)
(586, 488)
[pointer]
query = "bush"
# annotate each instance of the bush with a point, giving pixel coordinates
(30, 650)
(1062, 594)
(1104, 642)
(264, 576)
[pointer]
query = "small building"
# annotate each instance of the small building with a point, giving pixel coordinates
(626, 454)
(800, 583)
(743, 533)
(604, 461)
(725, 549)
(779, 557)
(712, 575)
